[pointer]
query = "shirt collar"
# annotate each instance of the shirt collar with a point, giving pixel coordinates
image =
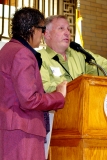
(52, 53)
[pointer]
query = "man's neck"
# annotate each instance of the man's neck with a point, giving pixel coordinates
(62, 52)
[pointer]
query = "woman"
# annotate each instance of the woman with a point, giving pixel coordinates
(22, 98)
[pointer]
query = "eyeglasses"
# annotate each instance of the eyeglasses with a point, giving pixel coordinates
(43, 28)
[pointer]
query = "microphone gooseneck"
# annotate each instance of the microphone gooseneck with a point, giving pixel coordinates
(102, 69)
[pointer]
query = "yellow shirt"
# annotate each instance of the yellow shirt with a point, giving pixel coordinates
(53, 73)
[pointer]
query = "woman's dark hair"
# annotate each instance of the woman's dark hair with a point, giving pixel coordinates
(24, 20)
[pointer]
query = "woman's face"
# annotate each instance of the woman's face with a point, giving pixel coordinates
(37, 36)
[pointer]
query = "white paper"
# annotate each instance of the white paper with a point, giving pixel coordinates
(48, 136)
(105, 106)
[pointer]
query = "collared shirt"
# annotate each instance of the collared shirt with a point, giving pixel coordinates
(53, 73)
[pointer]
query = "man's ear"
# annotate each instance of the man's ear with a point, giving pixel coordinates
(47, 34)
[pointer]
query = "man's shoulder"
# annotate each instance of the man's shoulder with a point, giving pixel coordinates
(41, 51)
(47, 53)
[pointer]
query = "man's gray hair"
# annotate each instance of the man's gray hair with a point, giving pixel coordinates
(49, 19)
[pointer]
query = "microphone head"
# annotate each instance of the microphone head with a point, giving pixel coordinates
(78, 48)
(74, 46)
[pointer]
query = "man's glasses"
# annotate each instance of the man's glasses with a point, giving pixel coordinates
(43, 28)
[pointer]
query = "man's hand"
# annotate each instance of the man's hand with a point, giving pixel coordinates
(62, 88)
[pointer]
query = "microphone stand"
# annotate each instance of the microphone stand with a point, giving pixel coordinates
(102, 69)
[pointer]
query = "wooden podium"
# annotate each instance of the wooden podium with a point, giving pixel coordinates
(80, 128)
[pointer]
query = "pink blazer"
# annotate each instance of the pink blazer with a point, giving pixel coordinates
(22, 99)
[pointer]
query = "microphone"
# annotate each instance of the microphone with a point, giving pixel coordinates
(78, 48)
(89, 57)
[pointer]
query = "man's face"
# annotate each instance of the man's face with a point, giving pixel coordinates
(60, 34)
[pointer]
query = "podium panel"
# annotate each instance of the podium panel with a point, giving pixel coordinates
(80, 128)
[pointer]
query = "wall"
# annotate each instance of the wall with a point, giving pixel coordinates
(94, 25)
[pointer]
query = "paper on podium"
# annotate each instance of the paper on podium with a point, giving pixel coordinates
(48, 136)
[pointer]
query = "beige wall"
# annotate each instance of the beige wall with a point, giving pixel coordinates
(94, 25)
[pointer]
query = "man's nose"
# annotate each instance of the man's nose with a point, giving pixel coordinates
(67, 32)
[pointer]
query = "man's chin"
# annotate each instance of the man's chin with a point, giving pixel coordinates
(66, 45)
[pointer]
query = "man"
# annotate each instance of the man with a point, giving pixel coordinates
(71, 63)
